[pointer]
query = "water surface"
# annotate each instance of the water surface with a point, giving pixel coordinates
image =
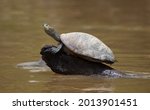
(122, 25)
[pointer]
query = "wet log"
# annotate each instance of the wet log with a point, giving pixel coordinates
(63, 63)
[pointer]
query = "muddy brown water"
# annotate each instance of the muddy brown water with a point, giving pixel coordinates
(122, 25)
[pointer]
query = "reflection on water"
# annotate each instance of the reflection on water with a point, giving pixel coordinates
(122, 25)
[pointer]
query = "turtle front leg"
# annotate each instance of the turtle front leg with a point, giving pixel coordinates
(53, 49)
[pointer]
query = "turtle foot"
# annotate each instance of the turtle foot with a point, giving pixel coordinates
(48, 49)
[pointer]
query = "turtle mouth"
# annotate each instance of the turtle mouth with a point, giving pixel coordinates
(47, 27)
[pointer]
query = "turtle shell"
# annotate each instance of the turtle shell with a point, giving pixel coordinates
(87, 46)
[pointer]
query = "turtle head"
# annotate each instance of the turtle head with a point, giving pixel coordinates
(51, 31)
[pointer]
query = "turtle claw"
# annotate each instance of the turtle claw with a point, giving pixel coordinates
(48, 49)
(45, 48)
(51, 50)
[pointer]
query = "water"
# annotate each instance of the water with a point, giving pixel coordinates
(122, 25)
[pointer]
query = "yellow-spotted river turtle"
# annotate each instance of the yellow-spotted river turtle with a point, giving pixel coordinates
(81, 44)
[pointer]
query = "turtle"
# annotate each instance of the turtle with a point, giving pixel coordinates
(80, 44)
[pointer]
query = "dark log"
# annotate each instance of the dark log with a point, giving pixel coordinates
(63, 63)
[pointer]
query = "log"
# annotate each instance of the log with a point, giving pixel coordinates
(63, 63)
